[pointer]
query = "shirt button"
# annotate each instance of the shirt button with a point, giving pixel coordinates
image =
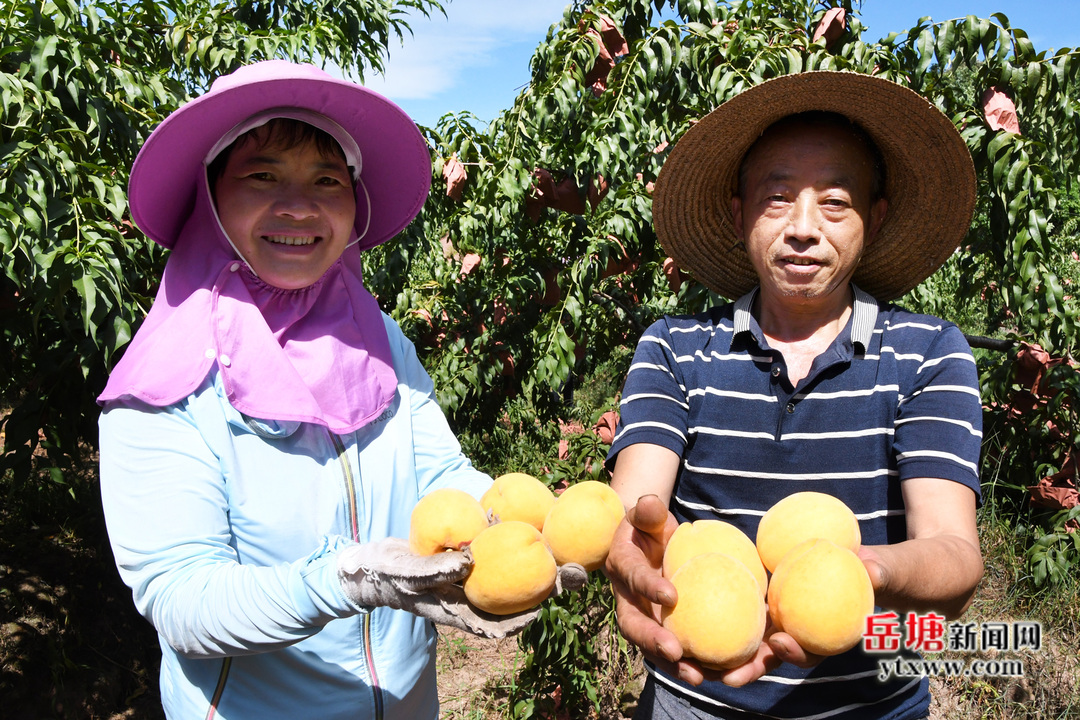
(210, 353)
(790, 408)
(776, 371)
(227, 361)
(234, 267)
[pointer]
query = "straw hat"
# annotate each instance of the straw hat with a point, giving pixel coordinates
(929, 180)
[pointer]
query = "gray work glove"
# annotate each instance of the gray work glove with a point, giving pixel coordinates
(386, 574)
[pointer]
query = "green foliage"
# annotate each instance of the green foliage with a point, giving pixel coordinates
(1030, 433)
(1054, 556)
(671, 74)
(574, 636)
(81, 86)
(574, 655)
(564, 279)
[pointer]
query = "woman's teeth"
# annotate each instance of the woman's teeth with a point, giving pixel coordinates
(290, 240)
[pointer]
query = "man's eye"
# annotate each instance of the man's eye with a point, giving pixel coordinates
(261, 176)
(328, 180)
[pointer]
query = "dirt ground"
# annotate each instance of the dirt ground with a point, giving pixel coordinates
(473, 673)
(71, 644)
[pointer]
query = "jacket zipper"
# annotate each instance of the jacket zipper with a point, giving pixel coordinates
(223, 676)
(354, 528)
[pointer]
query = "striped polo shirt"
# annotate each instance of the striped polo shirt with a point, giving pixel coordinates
(895, 396)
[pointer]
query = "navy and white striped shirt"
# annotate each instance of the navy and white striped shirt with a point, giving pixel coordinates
(895, 396)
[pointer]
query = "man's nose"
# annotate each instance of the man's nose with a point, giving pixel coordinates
(804, 221)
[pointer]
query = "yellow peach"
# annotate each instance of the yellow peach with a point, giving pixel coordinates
(802, 516)
(580, 525)
(517, 496)
(513, 570)
(821, 594)
(719, 615)
(445, 519)
(705, 536)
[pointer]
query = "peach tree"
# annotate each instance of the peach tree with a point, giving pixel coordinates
(535, 260)
(81, 85)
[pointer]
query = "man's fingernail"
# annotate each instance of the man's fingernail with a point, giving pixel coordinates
(663, 597)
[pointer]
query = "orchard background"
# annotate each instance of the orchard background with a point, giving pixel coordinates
(524, 283)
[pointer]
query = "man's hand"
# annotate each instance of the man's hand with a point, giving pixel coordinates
(386, 574)
(634, 567)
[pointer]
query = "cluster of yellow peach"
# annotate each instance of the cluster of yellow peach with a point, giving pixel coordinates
(516, 559)
(803, 573)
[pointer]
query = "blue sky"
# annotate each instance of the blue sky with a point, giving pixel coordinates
(477, 58)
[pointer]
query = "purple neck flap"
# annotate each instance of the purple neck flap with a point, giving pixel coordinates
(319, 354)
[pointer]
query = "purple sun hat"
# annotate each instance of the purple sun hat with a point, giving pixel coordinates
(396, 174)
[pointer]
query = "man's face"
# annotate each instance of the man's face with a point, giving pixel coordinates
(288, 210)
(806, 213)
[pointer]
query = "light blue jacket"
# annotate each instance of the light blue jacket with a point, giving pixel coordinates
(226, 528)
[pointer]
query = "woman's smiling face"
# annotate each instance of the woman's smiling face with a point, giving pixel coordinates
(289, 210)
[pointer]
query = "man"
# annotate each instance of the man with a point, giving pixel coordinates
(813, 199)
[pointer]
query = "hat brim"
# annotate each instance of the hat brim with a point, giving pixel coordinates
(396, 160)
(930, 180)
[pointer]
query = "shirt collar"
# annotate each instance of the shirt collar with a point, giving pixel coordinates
(743, 316)
(864, 316)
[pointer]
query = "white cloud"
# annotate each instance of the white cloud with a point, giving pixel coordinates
(443, 50)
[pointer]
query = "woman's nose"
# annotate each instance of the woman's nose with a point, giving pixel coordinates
(295, 203)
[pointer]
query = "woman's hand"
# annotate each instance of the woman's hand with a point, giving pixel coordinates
(386, 573)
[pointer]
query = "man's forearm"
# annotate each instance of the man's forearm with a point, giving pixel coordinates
(934, 573)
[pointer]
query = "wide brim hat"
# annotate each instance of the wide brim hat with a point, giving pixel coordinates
(929, 180)
(396, 163)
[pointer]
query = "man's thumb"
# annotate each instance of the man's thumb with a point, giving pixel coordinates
(649, 515)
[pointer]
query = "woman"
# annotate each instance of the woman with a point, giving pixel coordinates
(269, 430)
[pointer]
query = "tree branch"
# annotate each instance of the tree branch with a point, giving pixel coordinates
(986, 343)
